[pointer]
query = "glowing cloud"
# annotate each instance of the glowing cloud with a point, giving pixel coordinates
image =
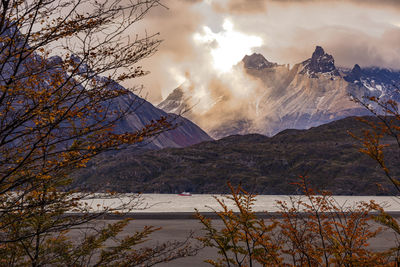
(227, 47)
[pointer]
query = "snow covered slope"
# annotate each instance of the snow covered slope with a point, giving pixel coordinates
(308, 94)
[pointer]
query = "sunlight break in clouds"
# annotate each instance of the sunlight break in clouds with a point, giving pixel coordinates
(227, 47)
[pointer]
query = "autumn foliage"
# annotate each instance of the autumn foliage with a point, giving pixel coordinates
(308, 230)
(388, 125)
(60, 65)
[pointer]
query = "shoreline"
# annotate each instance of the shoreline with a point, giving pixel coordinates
(191, 215)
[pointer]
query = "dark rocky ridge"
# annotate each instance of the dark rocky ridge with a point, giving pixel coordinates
(320, 62)
(257, 61)
(375, 74)
(373, 81)
(326, 154)
(354, 75)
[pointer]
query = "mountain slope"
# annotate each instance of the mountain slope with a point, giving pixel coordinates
(326, 154)
(138, 112)
(186, 132)
(308, 94)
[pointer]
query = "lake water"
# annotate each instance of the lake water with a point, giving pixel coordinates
(162, 203)
(176, 228)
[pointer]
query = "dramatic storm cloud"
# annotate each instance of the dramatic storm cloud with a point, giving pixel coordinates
(203, 39)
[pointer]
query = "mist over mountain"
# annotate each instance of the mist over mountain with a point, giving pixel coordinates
(186, 133)
(140, 112)
(136, 111)
(308, 94)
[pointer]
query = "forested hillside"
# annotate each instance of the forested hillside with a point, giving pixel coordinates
(327, 154)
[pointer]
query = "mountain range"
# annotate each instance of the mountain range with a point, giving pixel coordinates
(186, 158)
(308, 94)
(313, 95)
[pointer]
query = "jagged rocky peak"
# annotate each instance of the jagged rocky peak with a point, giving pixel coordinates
(320, 62)
(356, 70)
(257, 61)
(177, 94)
(355, 74)
(175, 102)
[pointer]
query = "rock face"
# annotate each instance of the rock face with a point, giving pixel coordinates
(257, 61)
(378, 82)
(309, 94)
(320, 62)
(175, 102)
(355, 75)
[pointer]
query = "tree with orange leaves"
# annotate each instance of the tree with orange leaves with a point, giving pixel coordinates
(387, 125)
(244, 238)
(60, 65)
(371, 142)
(310, 230)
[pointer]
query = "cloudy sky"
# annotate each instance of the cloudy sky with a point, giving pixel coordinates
(203, 39)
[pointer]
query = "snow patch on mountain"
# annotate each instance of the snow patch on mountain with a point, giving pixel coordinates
(305, 95)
